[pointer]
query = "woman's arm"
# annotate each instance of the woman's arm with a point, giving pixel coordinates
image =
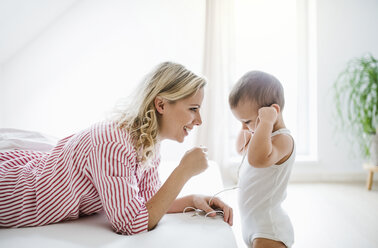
(158, 205)
(113, 175)
(193, 163)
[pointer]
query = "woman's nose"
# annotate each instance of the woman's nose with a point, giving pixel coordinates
(198, 120)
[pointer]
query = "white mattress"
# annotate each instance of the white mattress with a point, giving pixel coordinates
(174, 230)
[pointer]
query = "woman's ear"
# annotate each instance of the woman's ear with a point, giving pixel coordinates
(159, 104)
(276, 107)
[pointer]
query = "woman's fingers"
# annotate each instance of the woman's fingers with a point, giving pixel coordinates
(201, 202)
(194, 161)
(227, 210)
(208, 204)
(209, 211)
(230, 220)
(230, 217)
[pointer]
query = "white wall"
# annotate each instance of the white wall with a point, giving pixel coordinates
(345, 29)
(97, 51)
(93, 55)
(21, 21)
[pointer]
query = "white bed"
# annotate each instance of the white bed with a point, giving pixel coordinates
(174, 230)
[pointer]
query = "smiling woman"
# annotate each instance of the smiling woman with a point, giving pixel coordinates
(181, 116)
(114, 165)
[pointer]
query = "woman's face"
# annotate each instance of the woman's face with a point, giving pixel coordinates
(178, 119)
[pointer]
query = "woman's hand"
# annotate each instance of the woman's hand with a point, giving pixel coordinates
(202, 202)
(194, 161)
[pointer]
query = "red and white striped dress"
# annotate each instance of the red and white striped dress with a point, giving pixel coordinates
(93, 170)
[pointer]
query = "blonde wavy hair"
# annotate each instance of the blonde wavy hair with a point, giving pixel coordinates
(170, 81)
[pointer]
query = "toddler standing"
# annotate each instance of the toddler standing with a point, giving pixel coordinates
(257, 101)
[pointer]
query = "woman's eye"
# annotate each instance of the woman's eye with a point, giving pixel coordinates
(194, 109)
(247, 122)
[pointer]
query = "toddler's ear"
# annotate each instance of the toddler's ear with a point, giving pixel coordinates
(276, 107)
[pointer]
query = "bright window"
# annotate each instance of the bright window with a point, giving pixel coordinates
(273, 36)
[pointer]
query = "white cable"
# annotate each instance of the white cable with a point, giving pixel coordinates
(244, 154)
(198, 211)
(221, 192)
(195, 209)
(211, 199)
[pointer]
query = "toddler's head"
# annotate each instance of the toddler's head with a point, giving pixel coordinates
(254, 90)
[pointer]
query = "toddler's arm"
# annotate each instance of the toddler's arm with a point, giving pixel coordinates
(264, 150)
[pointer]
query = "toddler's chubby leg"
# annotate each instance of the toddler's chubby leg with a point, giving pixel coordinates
(267, 243)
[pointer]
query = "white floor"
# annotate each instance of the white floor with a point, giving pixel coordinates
(327, 215)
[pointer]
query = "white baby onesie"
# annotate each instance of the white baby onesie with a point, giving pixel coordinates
(262, 190)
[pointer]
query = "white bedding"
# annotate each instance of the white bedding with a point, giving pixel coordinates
(174, 230)
(21, 139)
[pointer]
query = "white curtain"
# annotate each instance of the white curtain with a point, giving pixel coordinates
(218, 62)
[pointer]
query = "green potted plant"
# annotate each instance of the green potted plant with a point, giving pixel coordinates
(356, 100)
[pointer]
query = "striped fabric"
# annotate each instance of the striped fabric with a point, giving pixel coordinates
(93, 170)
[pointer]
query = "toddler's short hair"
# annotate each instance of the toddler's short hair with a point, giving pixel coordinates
(259, 87)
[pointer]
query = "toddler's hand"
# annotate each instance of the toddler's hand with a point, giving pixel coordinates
(268, 114)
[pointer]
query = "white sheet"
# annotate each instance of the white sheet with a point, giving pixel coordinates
(174, 230)
(29, 140)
